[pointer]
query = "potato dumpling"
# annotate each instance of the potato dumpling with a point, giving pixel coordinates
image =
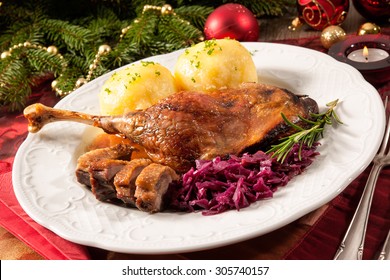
(136, 87)
(214, 64)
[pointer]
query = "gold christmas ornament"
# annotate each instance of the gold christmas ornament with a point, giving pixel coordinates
(295, 24)
(52, 49)
(80, 82)
(124, 30)
(331, 35)
(54, 84)
(93, 65)
(104, 49)
(5, 54)
(368, 28)
(166, 9)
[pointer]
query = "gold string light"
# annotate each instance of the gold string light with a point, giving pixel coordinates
(51, 49)
(27, 45)
(103, 50)
(164, 10)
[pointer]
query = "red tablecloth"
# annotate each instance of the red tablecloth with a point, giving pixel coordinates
(13, 131)
(319, 242)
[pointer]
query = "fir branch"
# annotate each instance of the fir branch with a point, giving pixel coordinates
(196, 15)
(161, 46)
(177, 32)
(105, 26)
(72, 36)
(265, 7)
(142, 30)
(42, 61)
(22, 31)
(68, 78)
(124, 53)
(258, 7)
(15, 81)
(11, 13)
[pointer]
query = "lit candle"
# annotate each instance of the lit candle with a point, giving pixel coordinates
(373, 65)
(368, 55)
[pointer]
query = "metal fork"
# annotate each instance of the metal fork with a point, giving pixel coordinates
(352, 245)
(384, 252)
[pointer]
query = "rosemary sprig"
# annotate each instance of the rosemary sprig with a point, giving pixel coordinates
(307, 136)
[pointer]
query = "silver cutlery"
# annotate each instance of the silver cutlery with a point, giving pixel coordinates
(352, 245)
(384, 252)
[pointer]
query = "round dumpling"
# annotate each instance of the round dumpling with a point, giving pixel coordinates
(136, 87)
(214, 64)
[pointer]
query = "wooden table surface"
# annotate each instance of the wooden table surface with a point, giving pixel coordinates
(270, 30)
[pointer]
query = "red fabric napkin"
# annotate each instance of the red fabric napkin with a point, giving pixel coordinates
(13, 131)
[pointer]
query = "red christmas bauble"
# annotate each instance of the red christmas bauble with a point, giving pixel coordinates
(377, 10)
(322, 13)
(232, 21)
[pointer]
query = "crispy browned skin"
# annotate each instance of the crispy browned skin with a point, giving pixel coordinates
(98, 168)
(124, 180)
(190, 125)
(151, 186)
(137, 183)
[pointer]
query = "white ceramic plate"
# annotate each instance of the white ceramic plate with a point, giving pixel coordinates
(46, 187)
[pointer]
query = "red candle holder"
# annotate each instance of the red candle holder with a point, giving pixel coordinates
(375, 72)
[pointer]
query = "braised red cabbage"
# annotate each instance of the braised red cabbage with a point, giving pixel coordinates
(218, 185)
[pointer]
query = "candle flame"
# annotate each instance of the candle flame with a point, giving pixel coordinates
(365, 53)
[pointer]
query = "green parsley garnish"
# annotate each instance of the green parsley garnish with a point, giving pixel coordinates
(209, 46)
(147, 63)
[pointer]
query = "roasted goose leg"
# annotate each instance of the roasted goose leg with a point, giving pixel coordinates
(192, 125)
(39, 115)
